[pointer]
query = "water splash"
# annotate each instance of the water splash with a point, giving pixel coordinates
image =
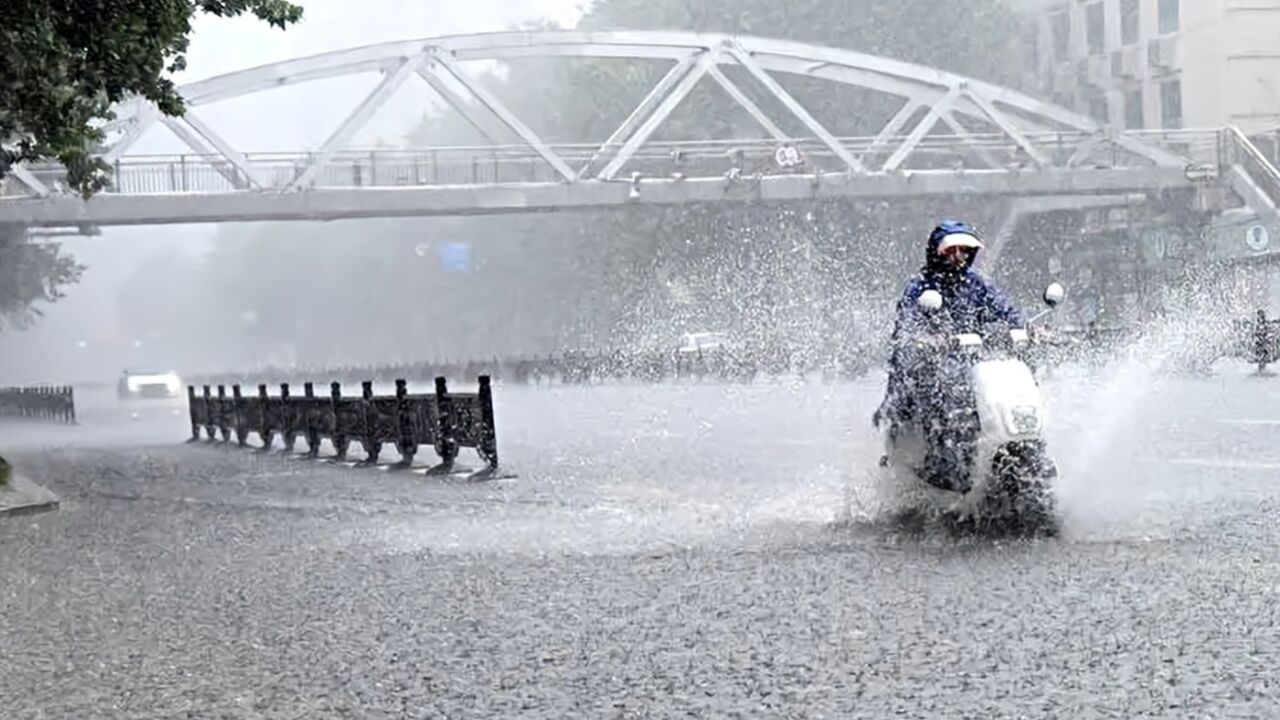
(1105, 410)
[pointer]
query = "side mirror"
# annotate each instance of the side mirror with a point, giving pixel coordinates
(929, 301)
(1054, 295)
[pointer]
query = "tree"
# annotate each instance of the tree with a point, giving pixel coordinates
(63, 63)
(971, 38)
(30, 273)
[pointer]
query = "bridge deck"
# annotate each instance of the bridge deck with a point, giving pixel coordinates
(342, 203)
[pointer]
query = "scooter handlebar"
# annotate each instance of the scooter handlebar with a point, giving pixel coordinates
(1013, 337)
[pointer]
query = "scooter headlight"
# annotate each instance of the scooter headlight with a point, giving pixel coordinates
(1023, 420)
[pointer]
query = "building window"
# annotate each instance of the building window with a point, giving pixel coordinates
(1061, 22)
(1171, 104)
(1130, 21)
(1169, 19)
(1095, 26)
(1133, 111)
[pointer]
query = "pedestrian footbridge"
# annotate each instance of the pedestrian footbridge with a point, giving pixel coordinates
(950, 136)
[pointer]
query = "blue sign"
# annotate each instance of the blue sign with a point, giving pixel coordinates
(455, 256)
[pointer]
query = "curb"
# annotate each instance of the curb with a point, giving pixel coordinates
(23, 497)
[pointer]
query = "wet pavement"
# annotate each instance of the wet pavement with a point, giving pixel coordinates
(707, 551)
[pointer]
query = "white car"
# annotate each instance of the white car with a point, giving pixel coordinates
(701, 342)
(148, 384)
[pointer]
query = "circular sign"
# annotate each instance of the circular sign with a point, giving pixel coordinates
(788, 156)
(1257, 238)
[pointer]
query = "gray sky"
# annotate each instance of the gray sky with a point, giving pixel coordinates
(301, 117)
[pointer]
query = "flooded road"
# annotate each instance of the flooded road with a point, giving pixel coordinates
(695, 550)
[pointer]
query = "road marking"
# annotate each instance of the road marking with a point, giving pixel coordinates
(1252, 423)
(1222, 463)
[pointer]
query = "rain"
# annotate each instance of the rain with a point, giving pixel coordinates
(581, 358)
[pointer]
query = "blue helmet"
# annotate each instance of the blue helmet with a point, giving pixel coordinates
(952, 233)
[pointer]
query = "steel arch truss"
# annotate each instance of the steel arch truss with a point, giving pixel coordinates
(946, 123)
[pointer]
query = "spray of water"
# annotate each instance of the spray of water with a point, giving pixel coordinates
(1104, 410)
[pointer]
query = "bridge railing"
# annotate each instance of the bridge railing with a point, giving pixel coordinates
(39, 403)
(1238, 149)
(1196, 146)
(444, 420)
(483, 165)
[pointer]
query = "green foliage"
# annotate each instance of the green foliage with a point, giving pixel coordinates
(5, 472)
(63, 63)
(30, 273)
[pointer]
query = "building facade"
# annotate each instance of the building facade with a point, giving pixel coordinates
(1158, 64)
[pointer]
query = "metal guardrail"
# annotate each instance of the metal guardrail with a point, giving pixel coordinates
(483, 165)
(56, 403)
(1239, 149)
(444, 420)
(1256, 341)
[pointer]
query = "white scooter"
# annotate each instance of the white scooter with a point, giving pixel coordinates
(1003, 418)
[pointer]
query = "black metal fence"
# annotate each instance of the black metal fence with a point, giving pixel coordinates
(1257, 341)
(39, 403)
(444, 420)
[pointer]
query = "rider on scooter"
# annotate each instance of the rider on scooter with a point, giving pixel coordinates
(920, 387)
